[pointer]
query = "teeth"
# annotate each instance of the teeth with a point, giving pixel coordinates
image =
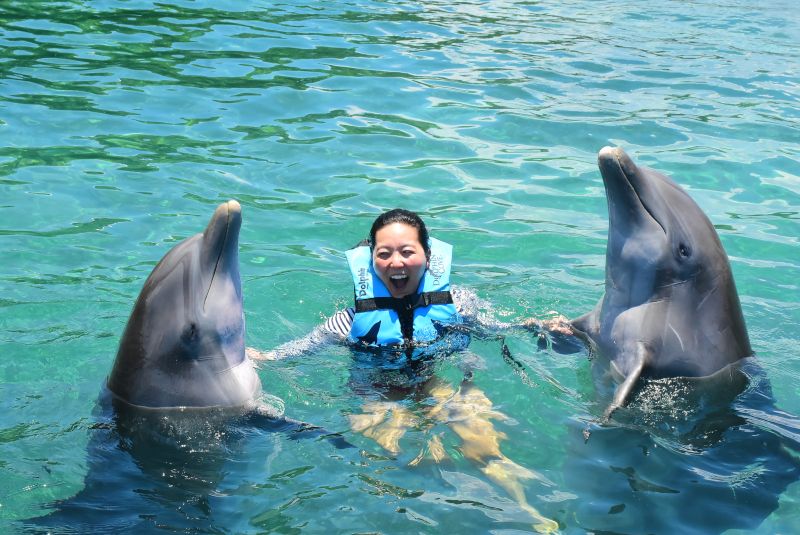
(398, 277)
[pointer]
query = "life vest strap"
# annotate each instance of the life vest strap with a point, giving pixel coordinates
(411, 302)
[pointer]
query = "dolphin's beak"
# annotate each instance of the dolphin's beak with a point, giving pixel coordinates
(616, 158)
(621, 195)
(623, 183)
(222, 232)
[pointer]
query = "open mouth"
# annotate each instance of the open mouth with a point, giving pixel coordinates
(399, 281)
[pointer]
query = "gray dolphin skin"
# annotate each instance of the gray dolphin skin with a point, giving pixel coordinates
(670, 307)
(183, 345)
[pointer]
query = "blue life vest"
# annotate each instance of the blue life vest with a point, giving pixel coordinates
(377, 322)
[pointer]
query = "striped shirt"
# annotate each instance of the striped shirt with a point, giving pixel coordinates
(341, 322)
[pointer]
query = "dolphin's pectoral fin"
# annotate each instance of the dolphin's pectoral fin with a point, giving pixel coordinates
(582, 322)
(624, 390)
(586, 324)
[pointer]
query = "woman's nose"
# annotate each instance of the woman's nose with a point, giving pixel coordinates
(396, 260)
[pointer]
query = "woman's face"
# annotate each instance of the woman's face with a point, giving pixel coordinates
(399, 259)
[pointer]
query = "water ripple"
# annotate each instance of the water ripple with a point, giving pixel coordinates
(124, 123)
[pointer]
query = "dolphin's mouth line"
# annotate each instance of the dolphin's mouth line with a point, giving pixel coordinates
(639, 196)
(649, 212)
(219, 256)
(206, 358)
(674, 284)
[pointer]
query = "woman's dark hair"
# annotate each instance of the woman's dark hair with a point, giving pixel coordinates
(407, 217)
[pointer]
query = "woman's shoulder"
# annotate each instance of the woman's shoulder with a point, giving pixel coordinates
(341, 322)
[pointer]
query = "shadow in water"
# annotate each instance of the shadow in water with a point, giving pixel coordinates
(158, 469)
(682, 459)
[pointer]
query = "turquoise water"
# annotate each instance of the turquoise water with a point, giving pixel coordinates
(122, 125)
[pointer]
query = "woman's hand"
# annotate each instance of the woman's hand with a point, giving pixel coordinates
(254, 354)
(558, 324)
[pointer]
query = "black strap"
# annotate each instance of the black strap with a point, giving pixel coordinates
(410, 302)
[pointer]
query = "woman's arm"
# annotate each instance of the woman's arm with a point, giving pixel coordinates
(556, 332)
(335, 329)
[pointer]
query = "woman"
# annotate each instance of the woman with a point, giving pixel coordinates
(402, 286)
(403, 312)
(403, 298)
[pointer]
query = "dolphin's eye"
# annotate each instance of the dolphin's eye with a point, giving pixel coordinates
(191, 332)
(684, 251)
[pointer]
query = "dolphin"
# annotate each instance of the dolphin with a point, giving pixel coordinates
(169, 414)
(183, 345)
(183, 348)
(670, 307)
